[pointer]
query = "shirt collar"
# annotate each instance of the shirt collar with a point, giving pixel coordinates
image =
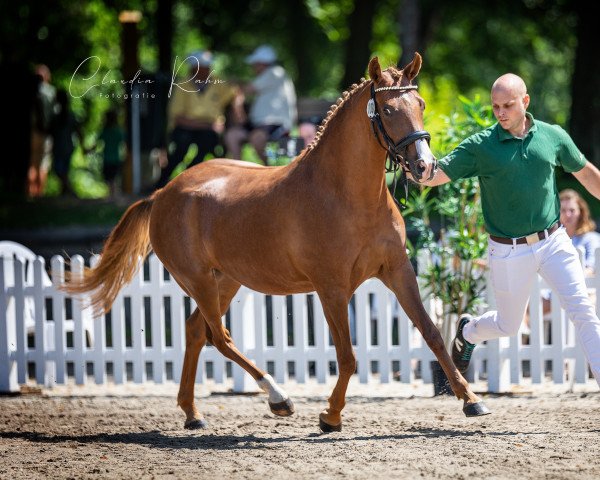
(506, 135)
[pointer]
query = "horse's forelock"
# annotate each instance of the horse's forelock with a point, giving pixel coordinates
(395, 75)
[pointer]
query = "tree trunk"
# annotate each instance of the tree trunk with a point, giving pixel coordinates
(164, 29)
(585, 108)
(357, 46)
(409, 16)
(305, 39)
(19, 86)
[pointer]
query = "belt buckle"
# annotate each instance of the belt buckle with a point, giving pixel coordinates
(533, 238)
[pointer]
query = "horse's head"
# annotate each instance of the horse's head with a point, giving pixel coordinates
(396, 111)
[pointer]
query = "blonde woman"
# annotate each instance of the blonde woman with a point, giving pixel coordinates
(575, 216)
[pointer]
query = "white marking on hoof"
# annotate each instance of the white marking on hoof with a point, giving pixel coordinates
(268, 385)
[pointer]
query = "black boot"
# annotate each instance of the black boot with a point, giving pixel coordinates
(461, 349)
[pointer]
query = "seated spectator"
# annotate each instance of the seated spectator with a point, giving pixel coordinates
(273, 111)
(307, 128)
(575, 216)
(196, 113)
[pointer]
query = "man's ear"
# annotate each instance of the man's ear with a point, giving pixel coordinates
(375, 69)
(412, 69)
(526, 100)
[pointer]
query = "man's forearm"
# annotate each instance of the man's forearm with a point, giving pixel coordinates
(589, 177)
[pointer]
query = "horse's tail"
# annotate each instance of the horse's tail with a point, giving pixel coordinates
(126, 246)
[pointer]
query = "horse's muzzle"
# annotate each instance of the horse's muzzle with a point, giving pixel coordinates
(425, 166)
(422, 170)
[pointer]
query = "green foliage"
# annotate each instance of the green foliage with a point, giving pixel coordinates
(453, 269)
(332, 16)
(385, 27)
(479, 41)
(465, 45)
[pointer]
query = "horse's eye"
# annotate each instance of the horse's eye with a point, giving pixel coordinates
(387, 111)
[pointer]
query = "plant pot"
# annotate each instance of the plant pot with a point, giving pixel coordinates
(441, 386)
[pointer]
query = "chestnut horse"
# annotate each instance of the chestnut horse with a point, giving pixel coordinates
(325, 223)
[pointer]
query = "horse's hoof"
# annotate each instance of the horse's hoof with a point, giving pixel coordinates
(326, 428)
(195, 424)
(475, 409)
(282, 409)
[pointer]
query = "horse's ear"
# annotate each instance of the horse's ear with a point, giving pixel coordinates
(374, 69)
(412, 69)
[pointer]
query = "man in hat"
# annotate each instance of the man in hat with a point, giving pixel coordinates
(273, 111)
(196, 112)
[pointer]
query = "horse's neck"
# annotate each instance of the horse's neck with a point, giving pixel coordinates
(349, 158)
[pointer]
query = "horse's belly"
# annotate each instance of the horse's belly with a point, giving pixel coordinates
(272, 281)
(270, 288)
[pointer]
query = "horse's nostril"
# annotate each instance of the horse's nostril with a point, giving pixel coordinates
(421, 167)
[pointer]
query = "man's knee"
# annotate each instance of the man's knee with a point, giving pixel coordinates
(258, 138)
(509, 329)
(234, 136)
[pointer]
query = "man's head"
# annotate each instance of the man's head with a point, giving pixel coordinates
(510, 101)
(263, 57)
(43, 72)
(200, 63)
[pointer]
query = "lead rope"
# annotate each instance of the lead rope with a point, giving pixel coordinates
(394, 167)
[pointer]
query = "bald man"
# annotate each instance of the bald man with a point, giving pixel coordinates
(514, 161)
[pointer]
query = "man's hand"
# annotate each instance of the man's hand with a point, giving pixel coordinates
(438, 179)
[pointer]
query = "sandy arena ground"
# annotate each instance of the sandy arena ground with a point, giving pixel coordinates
(390, 431)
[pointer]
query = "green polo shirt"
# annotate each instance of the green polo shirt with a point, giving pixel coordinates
(516, 176)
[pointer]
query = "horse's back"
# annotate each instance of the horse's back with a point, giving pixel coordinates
(212, 192)
(224, 177)
(228, 162)
(229, 216)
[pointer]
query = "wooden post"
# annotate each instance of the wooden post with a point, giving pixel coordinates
(129, 20)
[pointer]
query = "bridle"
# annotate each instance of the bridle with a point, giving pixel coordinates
(396, 151)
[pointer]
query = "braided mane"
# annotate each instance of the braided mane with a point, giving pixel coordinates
(342, 100)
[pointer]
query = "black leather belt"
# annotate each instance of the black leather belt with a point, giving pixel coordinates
(530, 239)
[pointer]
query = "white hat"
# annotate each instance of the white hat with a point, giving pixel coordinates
(202, 58)
(262, 54)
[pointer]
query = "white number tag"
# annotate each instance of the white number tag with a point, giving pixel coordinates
(371, 108)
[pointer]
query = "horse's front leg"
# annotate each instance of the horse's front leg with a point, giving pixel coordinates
(400, 278)
(335, 306)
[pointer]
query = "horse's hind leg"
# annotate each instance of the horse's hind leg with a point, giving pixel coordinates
(205, 295)
(335, 307)
(195, 338)
(196, 335)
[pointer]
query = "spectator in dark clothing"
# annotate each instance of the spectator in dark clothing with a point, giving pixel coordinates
(40, 140)
(63, 128)
(113, 138)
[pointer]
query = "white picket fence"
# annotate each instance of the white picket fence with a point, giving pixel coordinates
(50, 338)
